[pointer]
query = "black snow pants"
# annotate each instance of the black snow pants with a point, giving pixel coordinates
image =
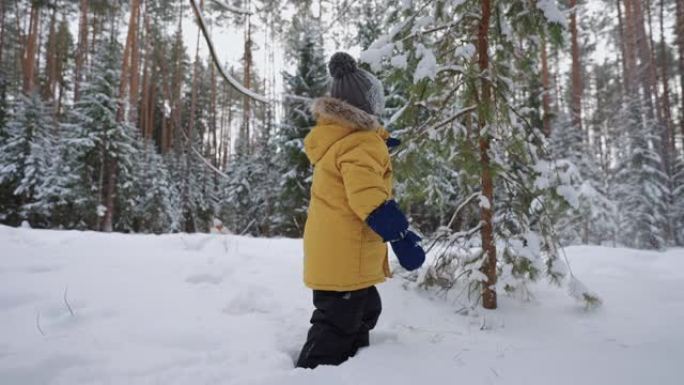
(340, 325)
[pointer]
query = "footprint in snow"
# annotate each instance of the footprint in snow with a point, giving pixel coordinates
(196, 243)
(253, 299)
(208, 279)
(38, 269)
(381, 337)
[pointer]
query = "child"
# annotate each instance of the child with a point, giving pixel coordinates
(351, 216)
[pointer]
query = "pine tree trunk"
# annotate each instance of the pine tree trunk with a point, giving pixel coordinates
(228, 137)
(546, 96)
(167, 96)
(51, 60)
(647, 75)
(623, 47)
(176, 136)
(145, 129)
(576, 71)
(487, 233)
(191, 225)
(654, 76)
(81, 49)
(246, 101)
(111, 165)
(630, 49)
(133, 89)
(664, 77)
(680, 49)
(29, 54)
(95, 30)
(213, 125)
(2, 33)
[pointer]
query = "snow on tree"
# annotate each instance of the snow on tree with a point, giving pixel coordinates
(155, 202)
(678, 199)
(309, 80)
(467, 95)
(592, 219)
(98, 137)
(641, 189)
(26, 155)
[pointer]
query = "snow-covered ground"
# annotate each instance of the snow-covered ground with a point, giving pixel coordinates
(216, 309)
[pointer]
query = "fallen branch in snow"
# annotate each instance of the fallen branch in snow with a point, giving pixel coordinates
(232, 81)
(66, 302)
(243, 232)
(38, 324)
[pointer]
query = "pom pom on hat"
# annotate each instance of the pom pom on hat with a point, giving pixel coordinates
(341, 64)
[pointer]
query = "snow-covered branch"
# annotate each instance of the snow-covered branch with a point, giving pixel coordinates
(232, 8)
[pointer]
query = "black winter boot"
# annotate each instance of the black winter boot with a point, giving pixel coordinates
(339, 326)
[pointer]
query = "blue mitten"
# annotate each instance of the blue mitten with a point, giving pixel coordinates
(392, 142)
(391, 224)
(409, 252)
(388, 221)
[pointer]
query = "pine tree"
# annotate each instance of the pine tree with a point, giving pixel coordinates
(470, 96)
(99, 136)
(154, 205)
(591, 218)
(25, 157)
(310, 80)
(59, 193)
(678, 199)
(641, 189)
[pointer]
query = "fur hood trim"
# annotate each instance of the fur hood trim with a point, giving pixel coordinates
(343, 113)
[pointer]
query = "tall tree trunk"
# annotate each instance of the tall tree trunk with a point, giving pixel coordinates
(51, 59)
(133, 89)
(2, 33)
(680, 50)
(81, 49)
(29, 54)
(485, 105)
(168, 97)
(144, 117)
(664, 77)
(95, 30)
(630, 49)
(191, 225)
(546, 96)
(646, 67)
(576, 71)
(111, 164)
(177, 84)
(213, 125)
(623, 48)
(246, 101)
(654, 76)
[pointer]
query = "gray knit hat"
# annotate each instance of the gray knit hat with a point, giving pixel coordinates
(354, 85)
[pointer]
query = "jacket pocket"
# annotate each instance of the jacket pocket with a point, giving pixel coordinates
(373, 254)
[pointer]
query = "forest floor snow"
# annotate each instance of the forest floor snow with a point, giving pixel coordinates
(92, 308)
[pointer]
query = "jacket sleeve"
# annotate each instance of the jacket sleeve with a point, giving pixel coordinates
(363, 167)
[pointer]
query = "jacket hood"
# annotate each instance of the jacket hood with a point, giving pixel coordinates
(335, 119)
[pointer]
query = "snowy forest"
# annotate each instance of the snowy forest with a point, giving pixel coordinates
(541, 141)
(525, 125)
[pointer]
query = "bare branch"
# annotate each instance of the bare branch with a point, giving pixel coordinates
(232, 81)
(38, 324)
(66, 302)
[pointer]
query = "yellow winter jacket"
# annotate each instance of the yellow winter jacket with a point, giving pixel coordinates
(352, 176)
